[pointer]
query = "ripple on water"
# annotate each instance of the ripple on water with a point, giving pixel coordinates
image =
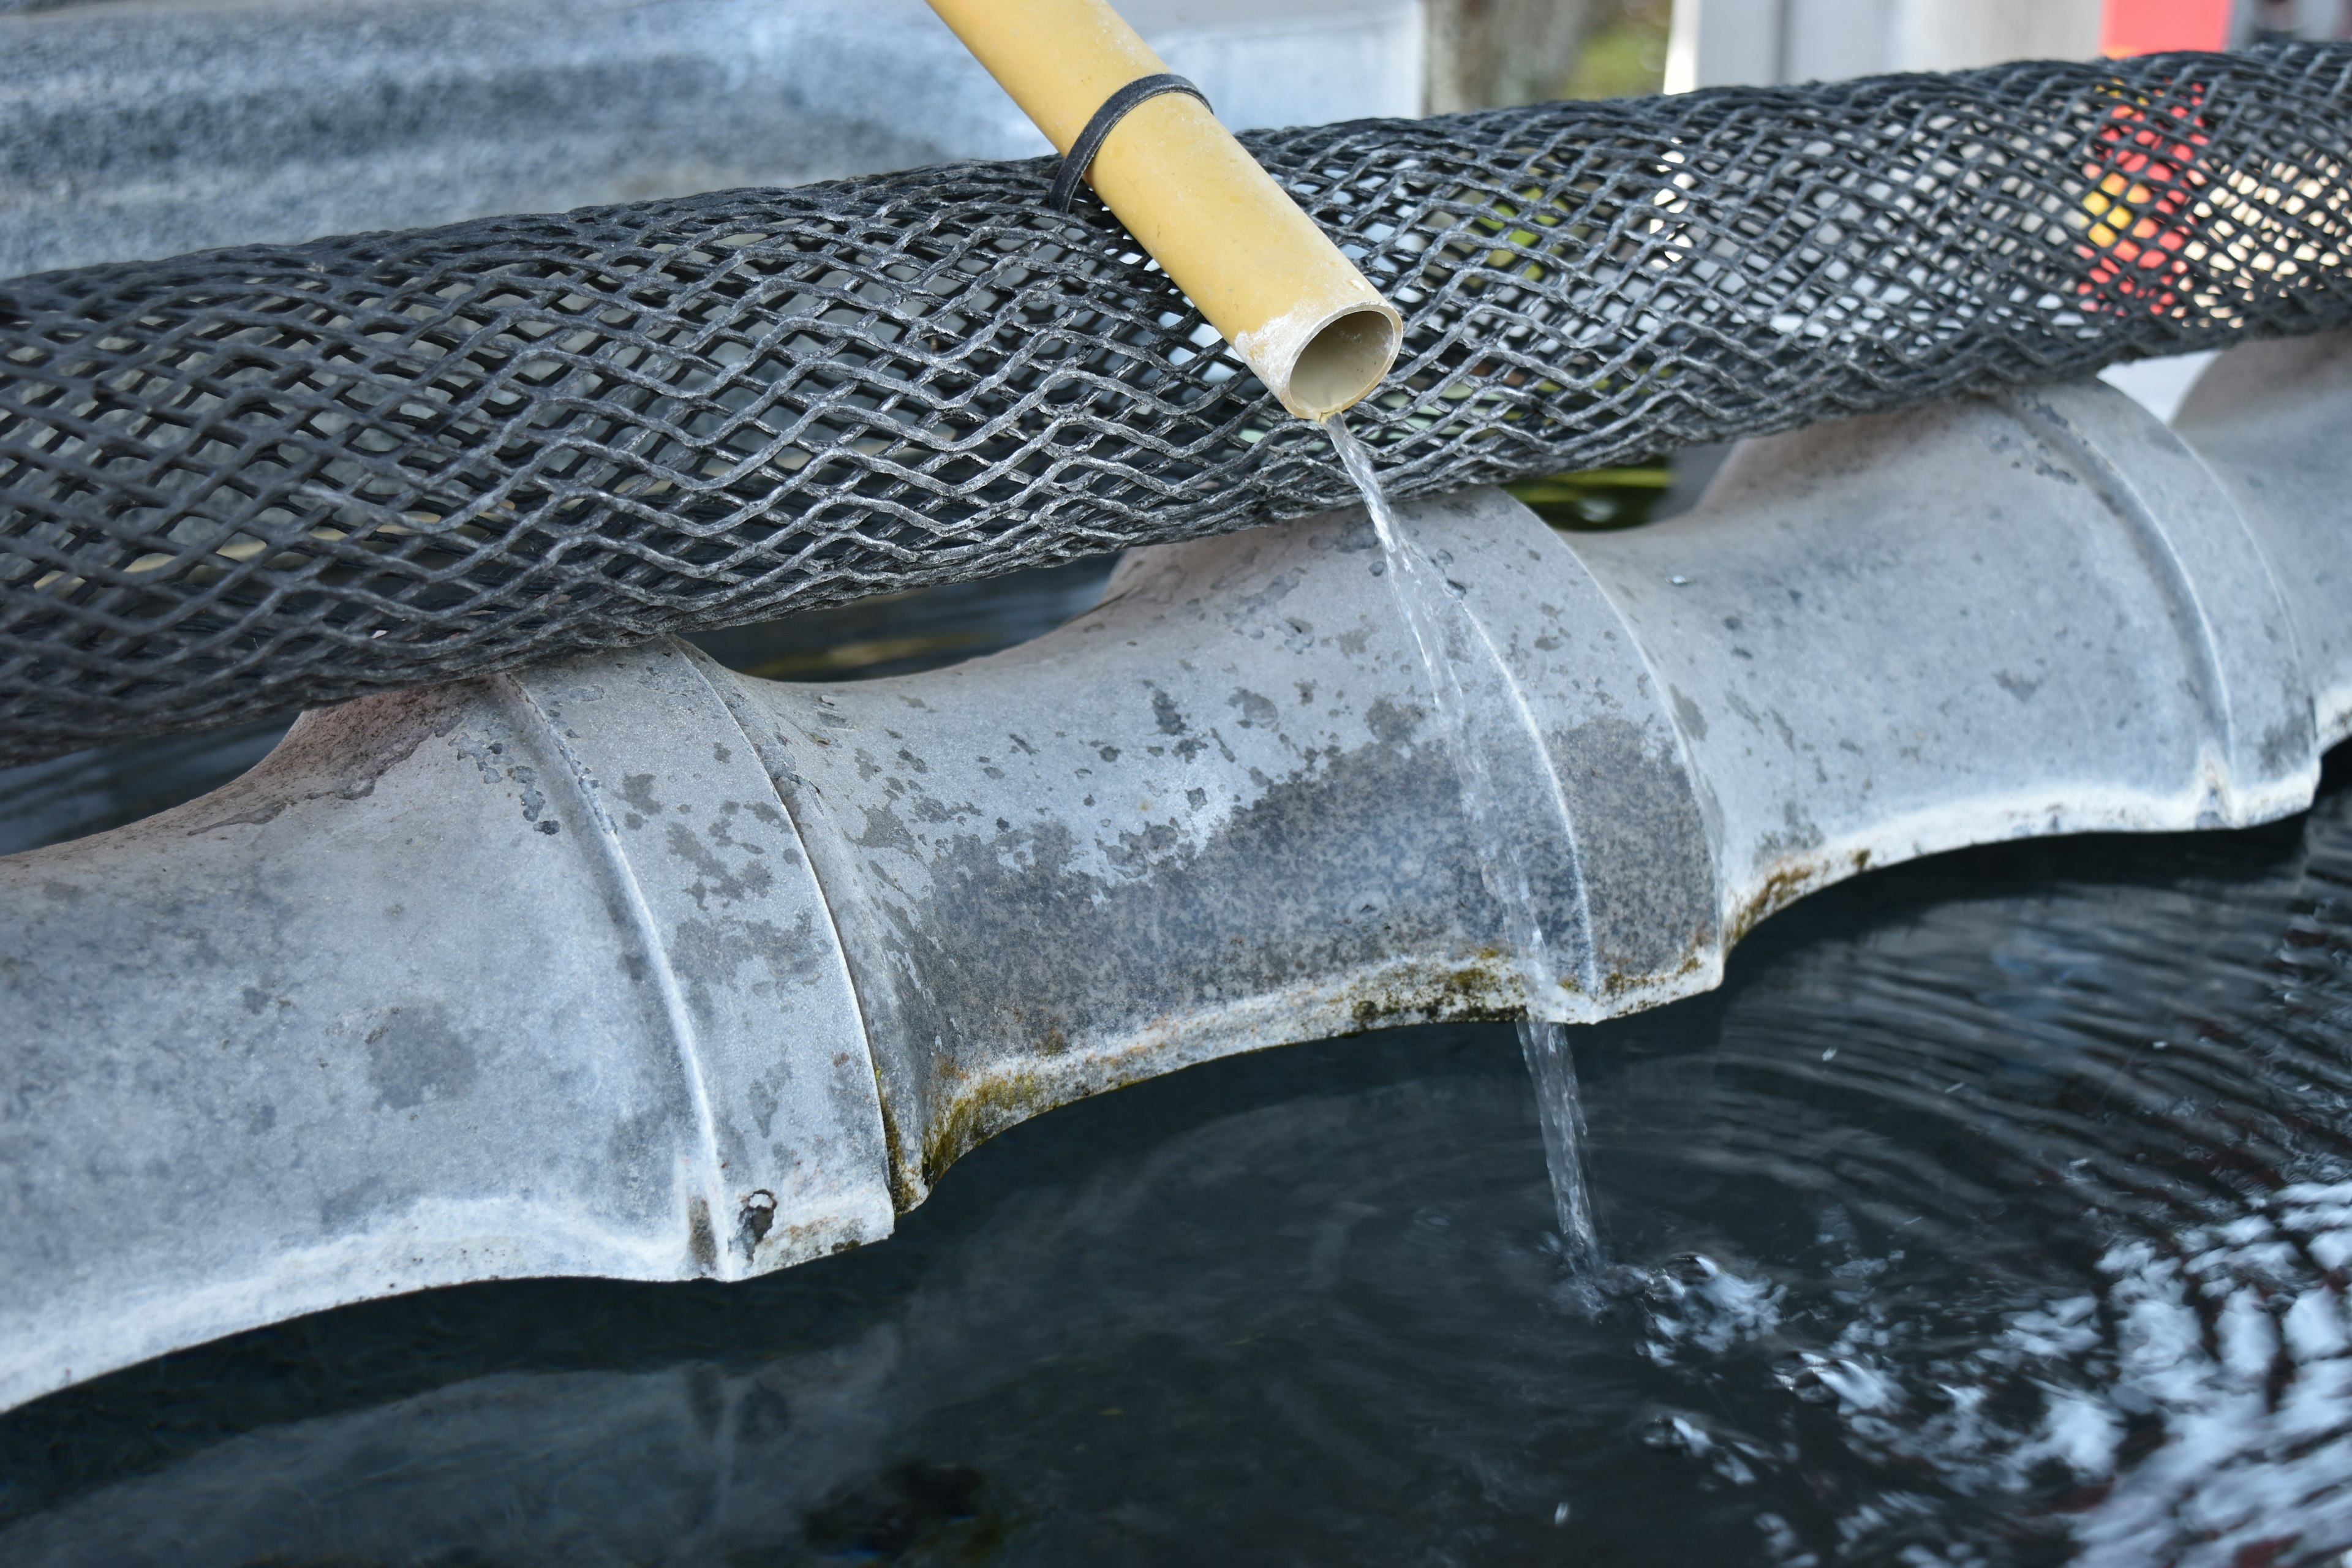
(1998, 1210)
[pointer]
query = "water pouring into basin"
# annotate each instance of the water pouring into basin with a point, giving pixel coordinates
(1480, 714)
(1321, 338)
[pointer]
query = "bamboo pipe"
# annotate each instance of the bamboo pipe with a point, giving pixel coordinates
(1316, 331)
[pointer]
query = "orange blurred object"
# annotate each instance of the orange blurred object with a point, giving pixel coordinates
(2151, 27)
(2139, 216)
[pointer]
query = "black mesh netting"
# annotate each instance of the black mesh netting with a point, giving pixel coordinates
(252, 478)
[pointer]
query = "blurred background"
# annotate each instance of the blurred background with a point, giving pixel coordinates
(1488, 53)
(135, 129)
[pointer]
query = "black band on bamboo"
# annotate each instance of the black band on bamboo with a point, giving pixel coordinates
(1115, 108)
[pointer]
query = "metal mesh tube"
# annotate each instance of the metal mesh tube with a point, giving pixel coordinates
(253, 478)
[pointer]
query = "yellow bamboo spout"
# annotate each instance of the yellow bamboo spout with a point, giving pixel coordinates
(1316, 331)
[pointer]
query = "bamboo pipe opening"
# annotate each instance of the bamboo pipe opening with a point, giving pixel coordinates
(1342, 363)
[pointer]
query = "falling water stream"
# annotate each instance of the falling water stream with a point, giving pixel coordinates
(1484, 721)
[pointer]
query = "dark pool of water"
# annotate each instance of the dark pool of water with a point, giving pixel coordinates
(1998, 1210)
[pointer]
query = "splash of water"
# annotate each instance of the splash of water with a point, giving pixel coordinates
(1457, 683)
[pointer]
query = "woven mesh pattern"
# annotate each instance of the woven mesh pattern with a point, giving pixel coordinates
(251, 477)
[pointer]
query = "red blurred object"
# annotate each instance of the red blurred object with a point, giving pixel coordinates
(2140, 208)
(2152, 26)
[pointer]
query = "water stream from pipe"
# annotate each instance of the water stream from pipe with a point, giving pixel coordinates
(1481, 718)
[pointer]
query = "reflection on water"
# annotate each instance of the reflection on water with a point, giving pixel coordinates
(1998, 1210)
